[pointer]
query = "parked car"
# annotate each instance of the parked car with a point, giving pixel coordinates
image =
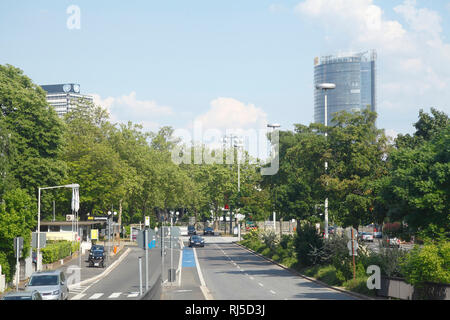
(97, 257)
(50, 284)
(249, 226)
(393, 242)
(196, 241)
(191, 230)
(23, 295)
(208, 230)
(366, 236)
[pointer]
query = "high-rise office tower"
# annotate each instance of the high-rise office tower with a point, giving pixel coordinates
(63, 97)
(355, 78)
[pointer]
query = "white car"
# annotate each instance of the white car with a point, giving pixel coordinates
(367, 236)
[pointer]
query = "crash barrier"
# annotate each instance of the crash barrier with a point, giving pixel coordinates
(154, 293)
(398, 288)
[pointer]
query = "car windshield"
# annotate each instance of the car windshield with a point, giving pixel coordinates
(27, 297)
(97, 248)
(196, 238)
(44, 280)
(97, 252)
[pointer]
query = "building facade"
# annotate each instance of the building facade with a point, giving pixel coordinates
(355, 78)
(64, 97)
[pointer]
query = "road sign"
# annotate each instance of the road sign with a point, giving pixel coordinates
(94, 234)
(142, 242)
(42, 240)
(18, 247)
(147, 221)
(353, 250)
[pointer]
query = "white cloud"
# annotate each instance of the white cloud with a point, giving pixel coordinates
(128, 108)
(413, 56)
(229, 113)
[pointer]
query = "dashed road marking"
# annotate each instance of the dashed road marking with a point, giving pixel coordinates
(115, 295)
(95, 296)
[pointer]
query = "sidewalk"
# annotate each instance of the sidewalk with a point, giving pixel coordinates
(86, 272)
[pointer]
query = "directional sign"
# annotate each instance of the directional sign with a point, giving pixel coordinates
(352, 246)
(18, 246)
(152, 244)
(42, 240)
(145, 243)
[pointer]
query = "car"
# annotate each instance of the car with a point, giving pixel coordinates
(97, 256)
(366, 236)
(191, 230)
(23, 295)
(196, 241)
(208, 230)
(393, 242)
(50, 284)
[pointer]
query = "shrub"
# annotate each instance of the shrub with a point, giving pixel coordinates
(55, 251)
(427, 264)
(306, 241)
(359, 285)
(328, 275)
(6, 269)
(289, 262)
(266, 252)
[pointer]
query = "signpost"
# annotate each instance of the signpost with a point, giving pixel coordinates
(352, 246)
(18, 247)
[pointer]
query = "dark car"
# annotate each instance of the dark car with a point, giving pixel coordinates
(97, 256)
(191, 230)
(208, 230)
(196, 241)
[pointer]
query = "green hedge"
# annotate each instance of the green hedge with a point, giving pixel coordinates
(55, 251)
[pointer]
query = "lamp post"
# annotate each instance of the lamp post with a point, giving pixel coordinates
(75, 207)
(325, 87)
(238, 144)
(273, 127)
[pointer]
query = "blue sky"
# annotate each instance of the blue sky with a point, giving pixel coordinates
(234, 63)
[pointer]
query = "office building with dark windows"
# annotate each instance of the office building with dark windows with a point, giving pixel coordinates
(63, 97)
(355, 78)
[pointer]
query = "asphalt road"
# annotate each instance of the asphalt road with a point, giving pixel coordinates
(223, 270)
(122, 282)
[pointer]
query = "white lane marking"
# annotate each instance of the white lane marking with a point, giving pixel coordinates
(133, 295)
(272, 292)
(260, 284)
(251, 278)
(115, 295)
(78, 296)
(95, 296)
(203, 287)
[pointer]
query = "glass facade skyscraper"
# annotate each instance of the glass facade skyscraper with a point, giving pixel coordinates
(355, 78)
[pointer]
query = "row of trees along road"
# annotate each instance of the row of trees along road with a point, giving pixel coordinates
(123, 167)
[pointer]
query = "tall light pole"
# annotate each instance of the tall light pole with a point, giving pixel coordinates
(273, 127)
(75, 207)
(238, 144)
(325, 87)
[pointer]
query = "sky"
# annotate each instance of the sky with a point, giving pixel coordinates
(229, 64)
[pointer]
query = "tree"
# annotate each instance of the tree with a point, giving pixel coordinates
(17, 218)
(34, 130)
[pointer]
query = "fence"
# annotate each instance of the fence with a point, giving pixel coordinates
(398, 288)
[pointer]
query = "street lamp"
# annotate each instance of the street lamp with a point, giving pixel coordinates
(75, 206)
(273, 127)
(325, 87)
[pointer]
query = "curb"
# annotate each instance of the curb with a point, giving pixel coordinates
(104, 273)
(351, 293)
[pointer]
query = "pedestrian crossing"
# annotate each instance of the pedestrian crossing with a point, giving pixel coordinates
(103, 296)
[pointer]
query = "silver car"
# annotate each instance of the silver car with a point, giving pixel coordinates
(50, 284)
(23, 295)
